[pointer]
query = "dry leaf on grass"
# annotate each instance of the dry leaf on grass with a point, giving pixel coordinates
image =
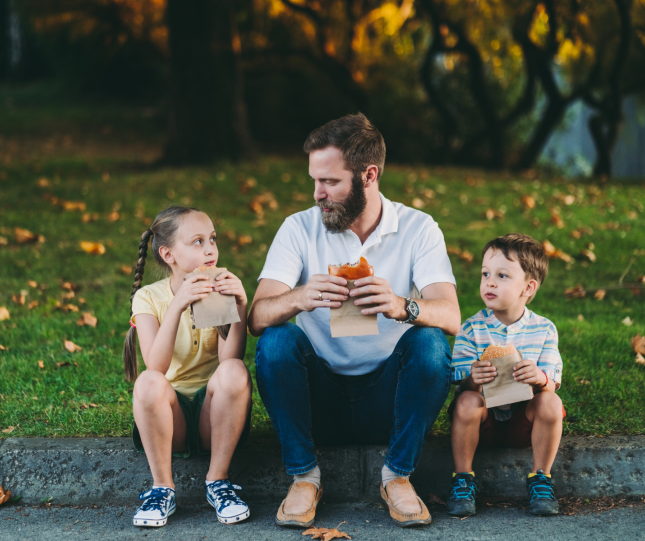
(71, 346)
(4, 313)
(583, 381)
(326, 534)
(69, 295)
(70, 206)
(126, 269)
(32, 305)
(297, 196)
(599, 294)
(113, 216)
(588, 254)
(576, 292)
(43, 182)
(2, 348)
(553, 253)
(89, 217)
(627, 321)
(4, 241)
(20, 299)
(244, 240)
(69, 308)
(248, 184)
(24, 235)
(640, 359)
(528, 202)
(87, 319)
(9, 430)
(70, 286)
(92, 247)
(638, 343)
(556, 219)
(4, 496)
(32, 283)
(41, 364)
(63, 364)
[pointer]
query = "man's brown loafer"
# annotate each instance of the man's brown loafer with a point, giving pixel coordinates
(406, 508)
(299, 507)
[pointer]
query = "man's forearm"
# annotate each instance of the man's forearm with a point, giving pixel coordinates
(272, 311)
(440, 313)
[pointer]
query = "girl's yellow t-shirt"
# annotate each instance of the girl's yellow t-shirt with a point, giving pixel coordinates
(194, 358)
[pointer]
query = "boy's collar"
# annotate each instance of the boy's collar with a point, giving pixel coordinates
(520, 323)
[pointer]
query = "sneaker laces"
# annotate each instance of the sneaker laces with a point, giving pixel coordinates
(540, 487)
(463, 488)
(154, 499)
(223, 492)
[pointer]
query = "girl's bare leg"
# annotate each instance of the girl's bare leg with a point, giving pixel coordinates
(470, 412)
(223, 415)
(544, 410)
(161, 424)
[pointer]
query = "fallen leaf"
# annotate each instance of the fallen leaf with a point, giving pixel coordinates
(43, 182)
(528, 202)
(638, 343)
(326, 534)
(87, 319)
(62, 364)
(4, 241)
(41, 364)
(317, 533)
(418, 203)
(71, 346)
(83, 406)
(553, 253)
(113, 216)
(24, 235)
(126, 269)
(70, 286)
(70, 206)
(433, 498)
(89, 217)
(92, 247)
(4, 496)
(491, 214)
(297, 196)
(599, 294)
(2, 348)
(640, 359)
(4, 313)
(248, 184)
(244, 240)
(69, 308)
(627, 321)
(466, 256)
(9, 430)
(581, 317)
(93, 405)
(69, 295)
(588, 254)
(230, 234)
(427, 192)
(20, 299)
(576, 292)
(32, 283)
(556, 219)
(583, 381)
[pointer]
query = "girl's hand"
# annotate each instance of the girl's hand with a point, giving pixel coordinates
(229, 284)
(482, 372)
(195, 288)
(527, 371)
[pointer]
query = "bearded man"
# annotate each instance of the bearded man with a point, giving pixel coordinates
(389, 387)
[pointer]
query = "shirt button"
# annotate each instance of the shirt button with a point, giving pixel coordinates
(195, 342)
(193, 326)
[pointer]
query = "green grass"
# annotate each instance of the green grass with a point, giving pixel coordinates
(50, 401)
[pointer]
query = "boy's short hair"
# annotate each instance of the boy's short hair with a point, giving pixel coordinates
(529, 254)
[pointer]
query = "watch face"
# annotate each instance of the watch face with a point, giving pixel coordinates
(413, 308)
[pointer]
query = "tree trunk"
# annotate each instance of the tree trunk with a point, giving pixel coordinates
(207, 109)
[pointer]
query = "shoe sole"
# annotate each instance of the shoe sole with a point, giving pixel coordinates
(545, 514)
(294, 523)
(412, 523)
(147, 523)
(462, 514)
(235, 519)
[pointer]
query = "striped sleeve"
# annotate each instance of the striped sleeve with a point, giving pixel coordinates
(550, 360)
(464, 353)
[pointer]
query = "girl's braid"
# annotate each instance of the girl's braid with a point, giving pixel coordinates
(141, 263)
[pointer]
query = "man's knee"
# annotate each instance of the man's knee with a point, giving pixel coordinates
(428, 347)
(278, 345)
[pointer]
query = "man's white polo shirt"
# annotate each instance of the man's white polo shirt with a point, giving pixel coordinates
(406, 248)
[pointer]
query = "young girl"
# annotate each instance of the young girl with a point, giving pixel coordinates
(196, 392)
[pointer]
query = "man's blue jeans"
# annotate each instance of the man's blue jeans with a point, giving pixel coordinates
(396, 404)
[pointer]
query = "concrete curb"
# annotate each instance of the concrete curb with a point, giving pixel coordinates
(109, 470)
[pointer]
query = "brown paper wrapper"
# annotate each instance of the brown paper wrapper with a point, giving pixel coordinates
(504, 389)
(215, 310)
(348, 320)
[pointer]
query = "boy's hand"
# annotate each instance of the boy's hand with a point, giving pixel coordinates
(527, 371)
(482, 372)
(229, 284)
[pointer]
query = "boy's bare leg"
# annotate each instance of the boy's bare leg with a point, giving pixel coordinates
(544, 410)
(470, 412)
(223, 415)
(161, 424)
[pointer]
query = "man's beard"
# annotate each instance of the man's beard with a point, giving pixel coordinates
(344, 214)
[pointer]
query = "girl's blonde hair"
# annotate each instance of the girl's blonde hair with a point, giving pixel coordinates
(163, 232)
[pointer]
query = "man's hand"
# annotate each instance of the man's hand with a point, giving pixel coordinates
(380, 293)
(482, 372)
(320, 290)
(527, 371)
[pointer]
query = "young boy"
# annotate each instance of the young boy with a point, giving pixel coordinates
(513, 268)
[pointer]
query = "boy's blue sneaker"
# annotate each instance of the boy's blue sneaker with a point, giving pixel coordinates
(230, 509)
(462, 495)
(542, 500)
(158, 505)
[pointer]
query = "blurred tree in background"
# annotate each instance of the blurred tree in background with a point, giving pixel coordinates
(471, 82)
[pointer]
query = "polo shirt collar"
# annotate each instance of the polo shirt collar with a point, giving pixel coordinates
(496, 323)
(389, 218)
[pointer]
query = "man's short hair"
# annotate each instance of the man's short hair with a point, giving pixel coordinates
(527, 251)
(356, 137)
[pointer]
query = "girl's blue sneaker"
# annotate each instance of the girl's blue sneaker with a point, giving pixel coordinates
(158, 505)
(230, 509)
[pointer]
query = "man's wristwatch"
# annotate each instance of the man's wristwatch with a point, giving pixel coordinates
(412, 308)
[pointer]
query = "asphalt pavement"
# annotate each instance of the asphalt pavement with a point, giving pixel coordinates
(362, 522)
